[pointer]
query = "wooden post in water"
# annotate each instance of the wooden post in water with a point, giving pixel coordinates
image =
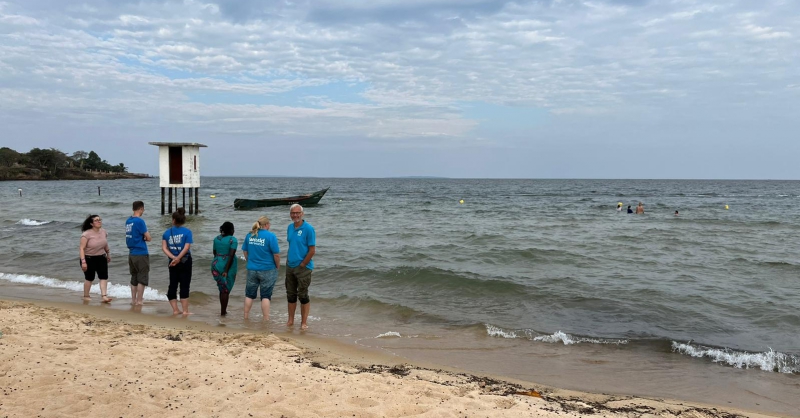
(191, 202)
(170, 200)
(98, 190)
(184, 198)
(162, 200)
(196, 200)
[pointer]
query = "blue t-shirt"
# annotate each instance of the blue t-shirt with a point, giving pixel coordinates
(261, 249)
(135, 229)
(299, 241)
(177, 237)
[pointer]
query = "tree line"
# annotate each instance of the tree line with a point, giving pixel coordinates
(52, 161)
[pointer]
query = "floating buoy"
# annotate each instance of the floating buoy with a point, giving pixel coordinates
(726, 207)
(213, 196)
(461, 201)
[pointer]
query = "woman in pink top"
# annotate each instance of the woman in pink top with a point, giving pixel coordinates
(95, 256)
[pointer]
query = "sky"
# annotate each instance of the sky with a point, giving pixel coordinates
(376, 88)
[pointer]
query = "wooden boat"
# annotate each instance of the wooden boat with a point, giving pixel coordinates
(305, 200)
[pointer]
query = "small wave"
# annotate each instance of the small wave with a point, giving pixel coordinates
(771, 361)
(567, 339)
(32, 222)
(116, 291)
(389, 335)
(494, 331)
(557, 337)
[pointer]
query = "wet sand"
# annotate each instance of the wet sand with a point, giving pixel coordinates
(79, 360)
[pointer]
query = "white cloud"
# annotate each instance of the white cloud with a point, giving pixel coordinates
(385, 70)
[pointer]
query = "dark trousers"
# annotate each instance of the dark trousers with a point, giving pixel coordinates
(181, 275)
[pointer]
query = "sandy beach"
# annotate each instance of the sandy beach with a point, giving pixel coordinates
(61, 362)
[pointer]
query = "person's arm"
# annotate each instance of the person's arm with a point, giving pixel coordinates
(183, 252)
(245, 255)
(277, 258)
(165, 249)
(311, 251)
(146, 237)
(107, 250)
(82, 252)
(231, 255)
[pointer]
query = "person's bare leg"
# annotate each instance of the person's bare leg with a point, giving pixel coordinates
(223, 303)
(185, 306)
(174, 304)
(304, 310)
(248, 303)
(140, 294)
(133, 295)
(104, 291)
(87, 287)
(265, 308)
(292, 308)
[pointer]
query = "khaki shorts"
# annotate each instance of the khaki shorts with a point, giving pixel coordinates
(298, 279)
(139, 266)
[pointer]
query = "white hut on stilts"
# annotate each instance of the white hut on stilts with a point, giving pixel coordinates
(179, 168)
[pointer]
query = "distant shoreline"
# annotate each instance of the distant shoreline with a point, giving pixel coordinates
(75, 174)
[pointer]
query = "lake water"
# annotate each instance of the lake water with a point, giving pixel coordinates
(539, 280)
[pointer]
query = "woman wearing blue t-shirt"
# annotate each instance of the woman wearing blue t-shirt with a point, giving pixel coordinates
(260, 248)
(176, 243)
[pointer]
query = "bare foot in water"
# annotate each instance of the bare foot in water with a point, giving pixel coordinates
(304, 327)
(87, 298)
(176, 312)
(139, 303)
(187, 313)
(107, 299)
(290, 324)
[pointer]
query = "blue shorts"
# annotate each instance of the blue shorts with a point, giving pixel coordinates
(263, 279)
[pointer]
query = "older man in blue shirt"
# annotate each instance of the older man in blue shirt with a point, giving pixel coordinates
(299, 264)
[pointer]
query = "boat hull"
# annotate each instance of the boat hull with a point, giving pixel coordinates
(305, 200)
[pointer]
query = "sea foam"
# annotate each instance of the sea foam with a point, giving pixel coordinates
(771, 361)
(557, 337)
(116, 291)
(389, 334)
(31, 222)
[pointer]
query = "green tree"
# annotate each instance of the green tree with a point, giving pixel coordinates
(93, 161)
(8, 157)
(47, 160)
(79, 158)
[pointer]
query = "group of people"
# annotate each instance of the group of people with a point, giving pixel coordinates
(260, 249)
(639, 208)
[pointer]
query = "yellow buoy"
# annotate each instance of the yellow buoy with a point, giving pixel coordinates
(461, 201)
(726, 207)
(213, 196)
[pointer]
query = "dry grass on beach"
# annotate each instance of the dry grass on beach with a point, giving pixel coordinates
(59, 363)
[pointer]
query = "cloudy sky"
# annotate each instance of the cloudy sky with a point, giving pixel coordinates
(376, 88)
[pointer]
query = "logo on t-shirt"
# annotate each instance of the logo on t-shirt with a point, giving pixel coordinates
(300, 233)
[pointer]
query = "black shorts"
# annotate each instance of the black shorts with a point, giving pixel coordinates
(96, 264)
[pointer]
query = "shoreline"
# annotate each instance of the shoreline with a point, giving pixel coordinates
(114, 177)
(302, 372)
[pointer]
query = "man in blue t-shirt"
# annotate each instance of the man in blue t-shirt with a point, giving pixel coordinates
(302, 247)
(137, 237)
